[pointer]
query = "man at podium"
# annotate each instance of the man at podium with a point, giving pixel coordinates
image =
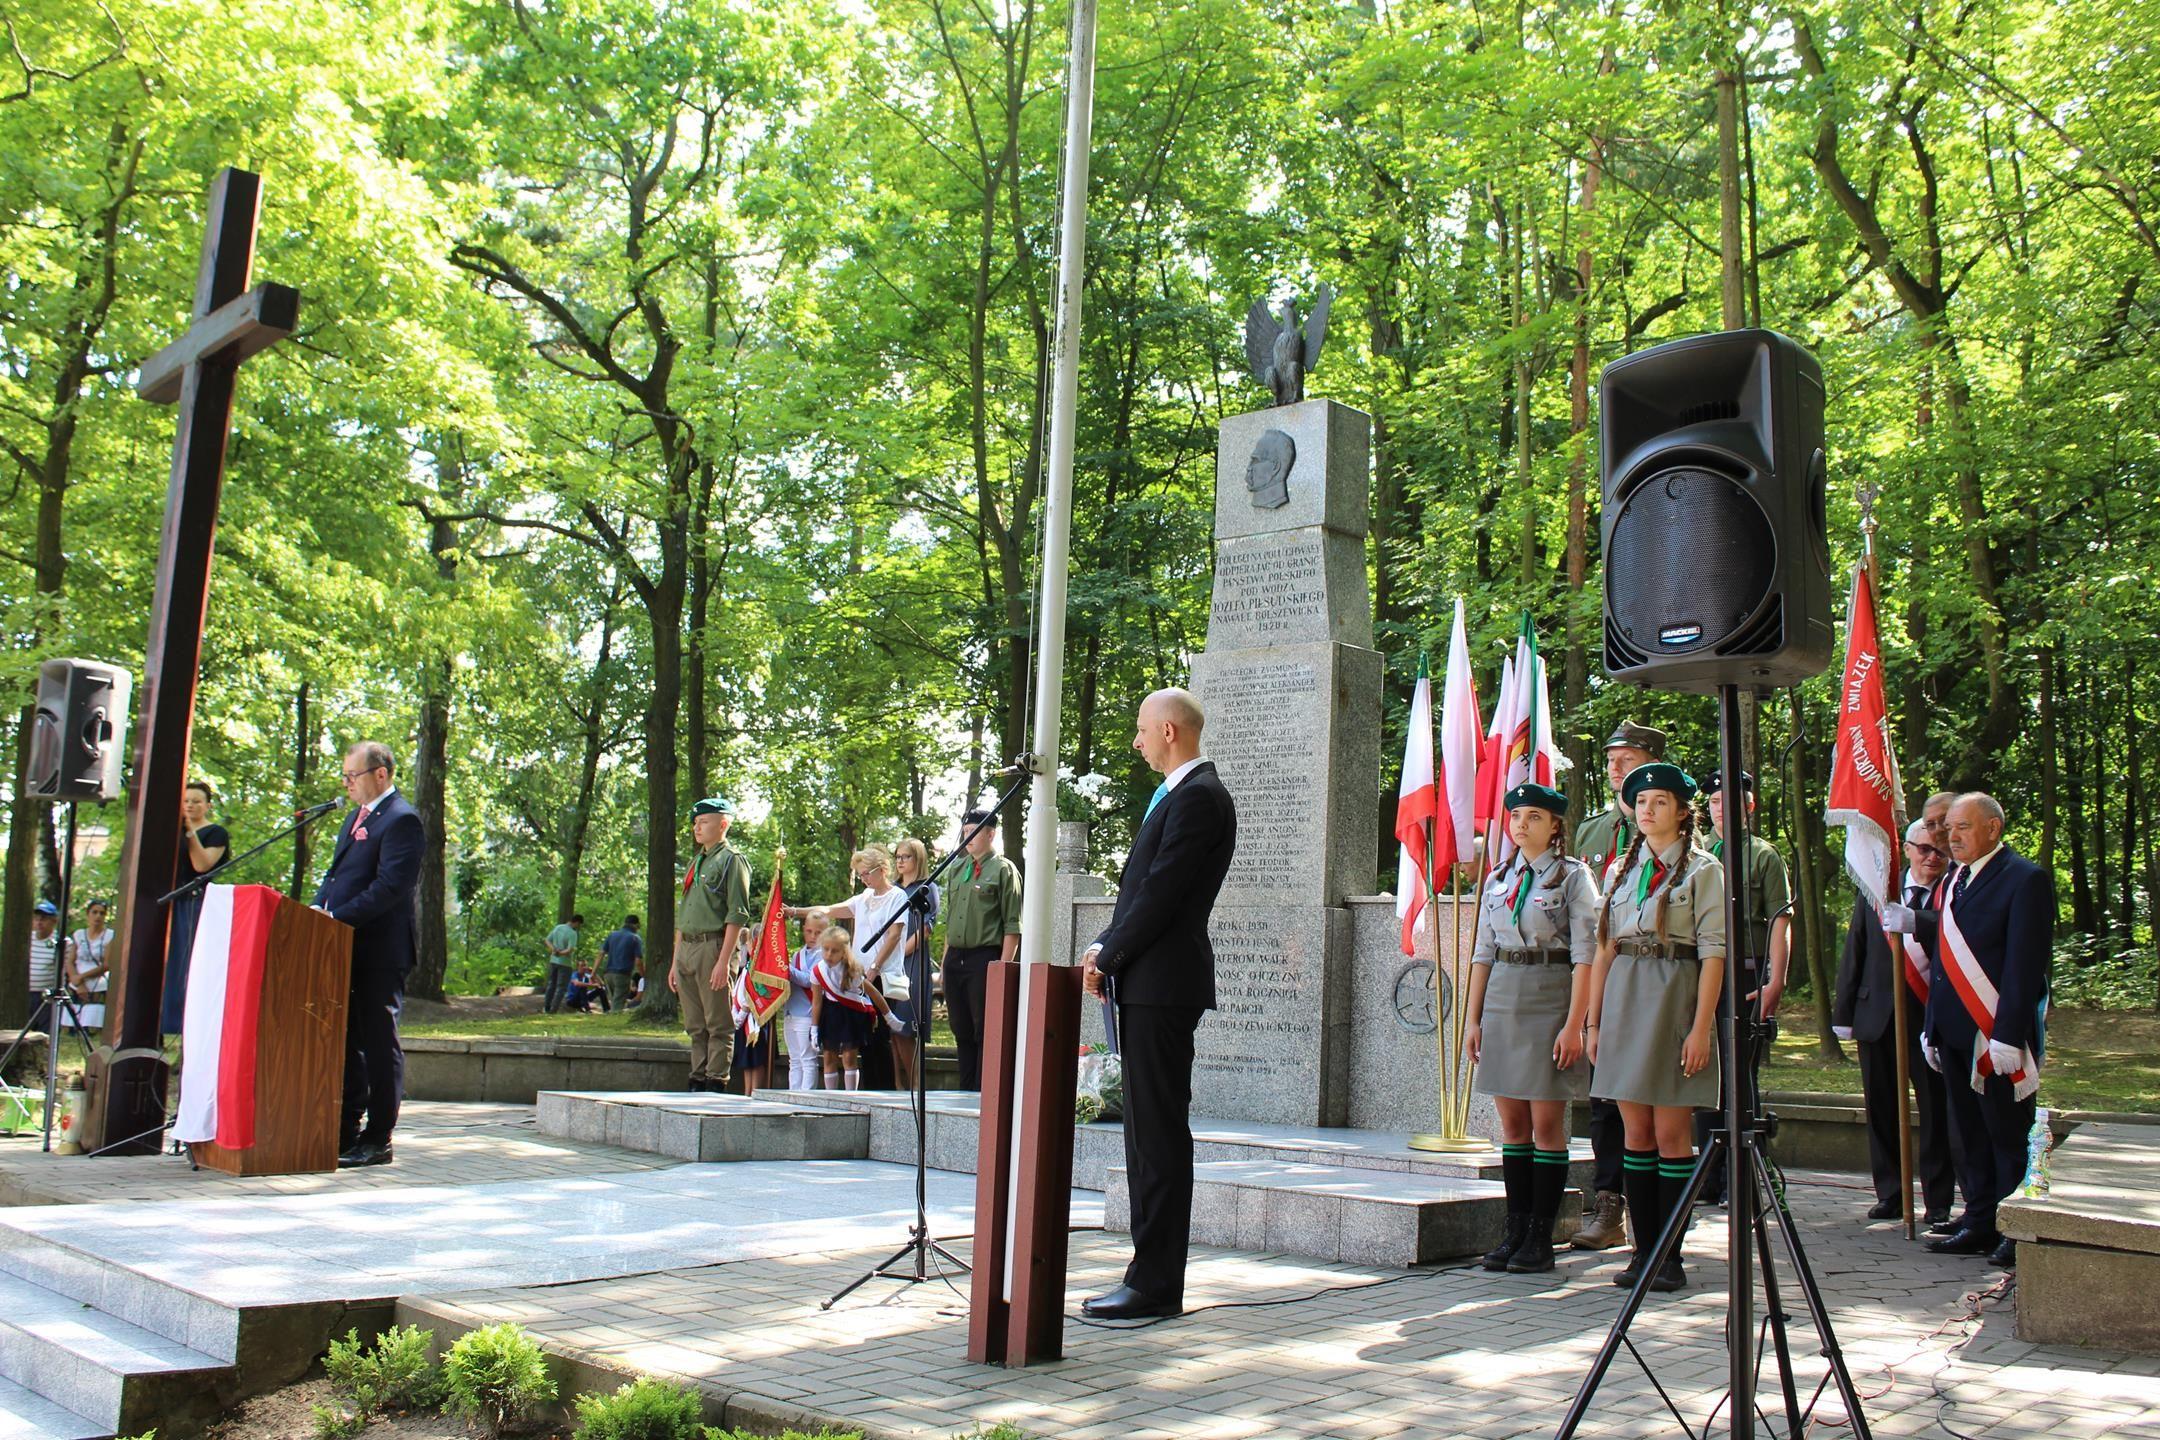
(373, 885)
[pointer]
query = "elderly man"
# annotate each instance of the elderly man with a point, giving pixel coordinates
(710, 920)
(1599, 842)
(1864, 1012)
(1156, 966)
(1987, 992)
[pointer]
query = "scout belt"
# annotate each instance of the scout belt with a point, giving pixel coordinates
(702, 934)
(1652, 950)
(1534, 956)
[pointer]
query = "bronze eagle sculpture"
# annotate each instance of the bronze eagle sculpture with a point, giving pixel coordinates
(1282, 352)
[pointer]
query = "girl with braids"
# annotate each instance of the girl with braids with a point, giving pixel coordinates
(1653, 1003)
(1529, 991)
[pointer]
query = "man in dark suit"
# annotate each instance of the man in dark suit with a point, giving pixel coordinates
(1864, 1013)
(1995, 941)
(1156, 966)
(373, 885)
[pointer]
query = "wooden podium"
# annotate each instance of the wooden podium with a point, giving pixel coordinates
(280, 1054)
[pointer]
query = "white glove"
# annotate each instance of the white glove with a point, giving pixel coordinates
(814, 1039)
(1929, 1053)
(1843, 1032)
(895, 1022)
(1898, 920)
(2006, 1058)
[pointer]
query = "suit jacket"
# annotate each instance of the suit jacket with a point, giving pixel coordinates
(373, 885)
(1866, 971)
(2007, 915)
(1157, 945)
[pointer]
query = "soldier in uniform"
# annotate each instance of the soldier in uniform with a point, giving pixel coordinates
(982, 928)
(1529, 988)
(1653, 1002)
(1600, 841)
(1764, 957)
(709, 921)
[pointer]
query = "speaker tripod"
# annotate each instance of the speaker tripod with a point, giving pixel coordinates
(57, 1006)
(1737, 1144)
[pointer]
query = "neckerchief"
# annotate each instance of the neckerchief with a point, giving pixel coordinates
(1648, 878)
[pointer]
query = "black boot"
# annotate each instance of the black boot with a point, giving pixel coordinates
(1646, 1221)
(1548, 1183)
(1670, 1275)
(1673, 1178)
(1511, 1239)
(1515, 1176)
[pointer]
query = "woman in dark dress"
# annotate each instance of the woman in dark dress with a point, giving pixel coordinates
(203, 847)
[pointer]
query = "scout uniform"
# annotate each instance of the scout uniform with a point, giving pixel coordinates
(715, 895)
(983, 907)
(1649, 1001)
(1537, 921)
(1599, 842)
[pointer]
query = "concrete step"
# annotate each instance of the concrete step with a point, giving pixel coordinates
(25, 1415)
(98, 1366)
(1332, 1212)
(155, 1305)
(955, 1115)
(706, 1128)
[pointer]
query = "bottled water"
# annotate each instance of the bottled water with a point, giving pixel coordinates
(2037, 1145)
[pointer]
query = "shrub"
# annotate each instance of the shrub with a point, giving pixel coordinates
(335, 1422)
(497, 1376)
(2102, 973)
(392, 1374)
(644, 1409)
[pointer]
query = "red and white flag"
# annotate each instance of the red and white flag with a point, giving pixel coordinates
(1416, 803)
(1525, 750)
(761, 987)
(1455, 826)
(1492, 764)
(1865, 796)
(218, 1025)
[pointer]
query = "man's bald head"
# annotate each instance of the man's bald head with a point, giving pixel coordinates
(1167, 732)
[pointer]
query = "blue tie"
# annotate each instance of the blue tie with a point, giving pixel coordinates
(1155, 799)
(1957, 887)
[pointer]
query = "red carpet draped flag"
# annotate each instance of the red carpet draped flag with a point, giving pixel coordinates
(1416, 803)
(1865, 796)
(761, 987)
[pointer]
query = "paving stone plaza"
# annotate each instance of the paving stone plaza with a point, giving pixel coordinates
(138, 1282)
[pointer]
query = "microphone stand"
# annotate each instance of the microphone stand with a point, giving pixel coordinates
(919, 1244)
(301, 821)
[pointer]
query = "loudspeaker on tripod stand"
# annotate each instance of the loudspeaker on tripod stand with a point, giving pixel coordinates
(79, 732)
(1715, 539)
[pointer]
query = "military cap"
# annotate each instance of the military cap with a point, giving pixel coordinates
(1646, 738)
(1715, 781)
(713, 805)
(1657, 775)
(1544, 797)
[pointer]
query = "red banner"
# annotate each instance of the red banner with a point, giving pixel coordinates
(762, 987)
(1865, 796)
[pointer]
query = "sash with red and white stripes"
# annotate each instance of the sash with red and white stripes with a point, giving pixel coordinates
(854, 1000)
(1916, 976)
(1980, 998)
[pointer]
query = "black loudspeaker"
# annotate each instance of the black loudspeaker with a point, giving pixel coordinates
(79, 731)
(1716, 541)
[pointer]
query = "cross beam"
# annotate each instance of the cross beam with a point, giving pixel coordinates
(198, 371)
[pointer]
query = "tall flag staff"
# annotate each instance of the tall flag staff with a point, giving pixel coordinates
(1868, 800)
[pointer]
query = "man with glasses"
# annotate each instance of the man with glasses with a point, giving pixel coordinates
(1864, 1012)
(373, 885)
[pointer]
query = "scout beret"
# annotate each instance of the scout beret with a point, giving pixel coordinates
(1657, 775)
(1544, 797)
(988, 819)
(1646, 738)
(1715, 781)
(713, 805)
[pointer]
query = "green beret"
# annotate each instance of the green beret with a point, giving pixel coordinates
(1646, 738)
(1715, 781)
(1544, 797)
(1657, 775)
(713, 805)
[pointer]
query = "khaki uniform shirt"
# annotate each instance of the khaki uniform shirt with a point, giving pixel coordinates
(983, 900)
(1601, 837)
(718, 894)
(1555, 916)
(1694, 911)
(1769, 891)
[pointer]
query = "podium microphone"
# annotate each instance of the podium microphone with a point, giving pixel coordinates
(312, 811)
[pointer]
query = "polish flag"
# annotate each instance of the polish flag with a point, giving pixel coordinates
(1455, 826)
(1522, 748)
(1416, 803)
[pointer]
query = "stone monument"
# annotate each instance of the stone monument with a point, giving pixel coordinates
(1292, 688)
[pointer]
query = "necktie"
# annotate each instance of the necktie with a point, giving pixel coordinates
(1957, 886)
(1155, 799)
(360, 820)
(1916, 897)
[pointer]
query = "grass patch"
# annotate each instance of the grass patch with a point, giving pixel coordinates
(2096, 1060)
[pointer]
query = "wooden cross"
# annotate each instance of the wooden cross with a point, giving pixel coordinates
(231, 322)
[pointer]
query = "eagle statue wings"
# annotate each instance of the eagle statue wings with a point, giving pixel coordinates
(1282, 352)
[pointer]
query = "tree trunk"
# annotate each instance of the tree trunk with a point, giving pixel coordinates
(431, 783)
(2050, 763)
(1810, 916)
(1575, 682)
(662, 826)
(303, 754)
(2098, 714)
(2077, 793)
(578, 823)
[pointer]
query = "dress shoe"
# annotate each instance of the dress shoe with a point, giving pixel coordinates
(1966, 1242)
(1886, 1210)
(1938, 1222)
(2004, 1255)
(1606, 1227)
(364, 1154)
(1126, 1303)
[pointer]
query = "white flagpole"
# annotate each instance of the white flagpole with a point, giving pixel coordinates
(1041, 849)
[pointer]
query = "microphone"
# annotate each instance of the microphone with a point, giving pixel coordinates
(313, 810)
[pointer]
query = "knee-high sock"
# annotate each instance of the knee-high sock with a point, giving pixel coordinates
(1639, 1173)
(854, 1079)
(1515, 1168)
(1673, 1177)
(1548, 1182)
